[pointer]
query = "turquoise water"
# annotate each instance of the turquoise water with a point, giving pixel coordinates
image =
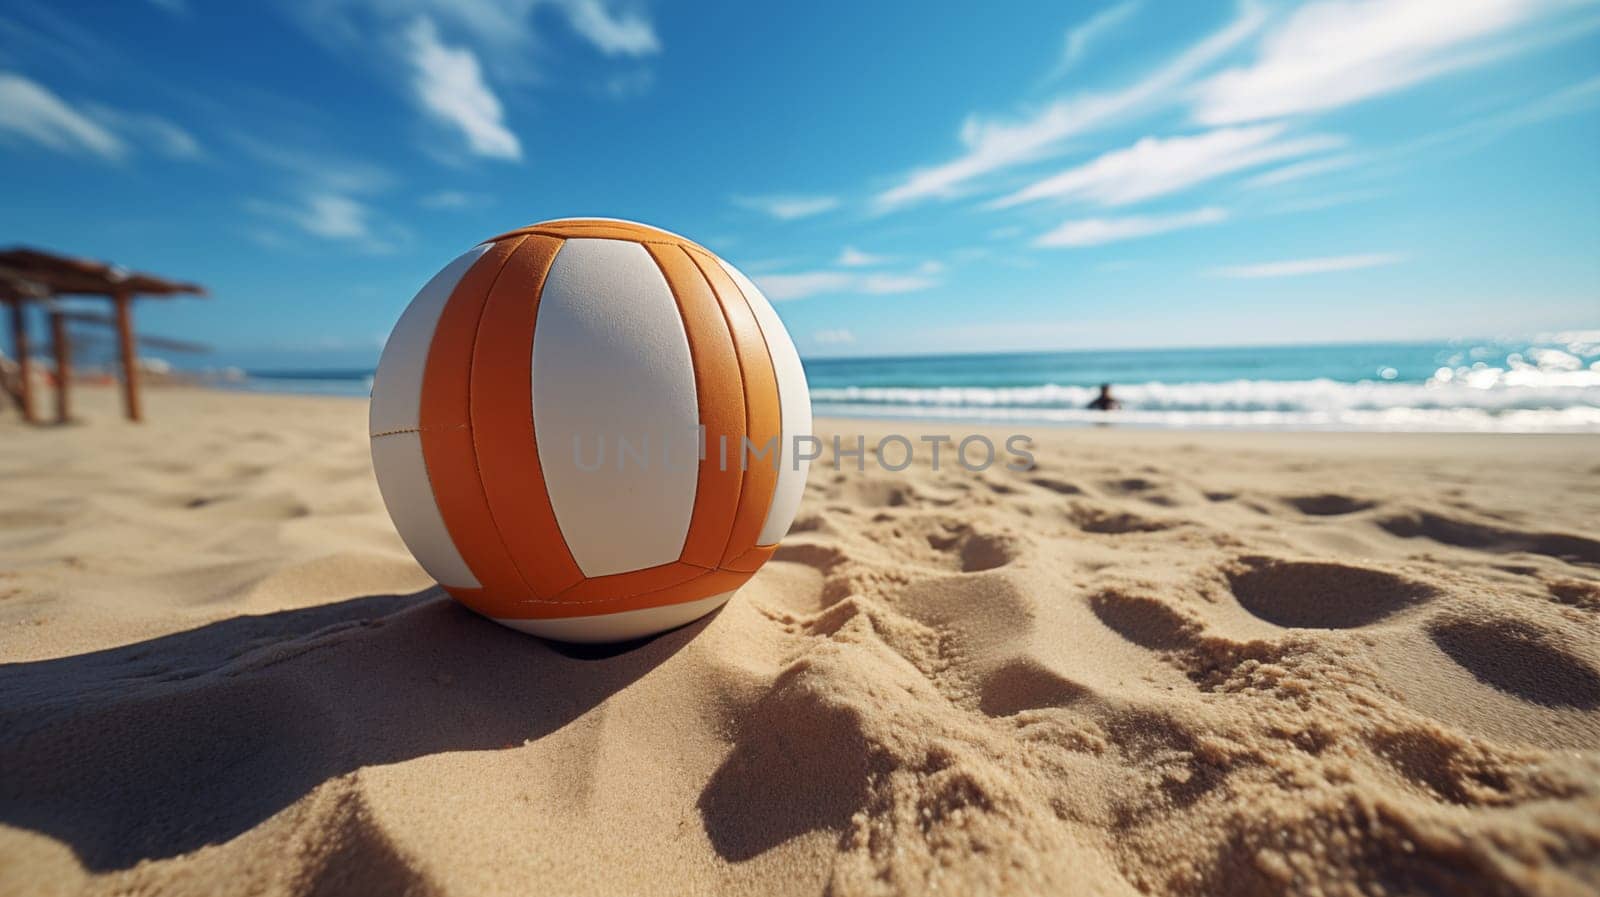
(1551, 383)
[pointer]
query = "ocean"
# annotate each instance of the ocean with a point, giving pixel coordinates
(1547, 384)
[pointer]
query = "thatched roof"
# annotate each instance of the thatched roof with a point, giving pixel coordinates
(30, 274)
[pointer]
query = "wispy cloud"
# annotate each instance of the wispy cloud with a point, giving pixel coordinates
(1159, 166)
(317, 171)
(1080, 39)
(1336, 52)
(835, 337)
(326, 197)
(1301, 170)
(1573, 99)
(611, 32)
(1096, 231)
(453, 199)
(455, 59)
(1298, 267)
(1570, 100)
(31, 112)
(507, 36)
(851, 257)
(448, 83)
(788, 207)
(327, 216)
(628, 84)
(992, 146)
(149, 131)
(783, 287)
(1324, 200)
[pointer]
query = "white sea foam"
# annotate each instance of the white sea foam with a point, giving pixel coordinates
(1551, 396)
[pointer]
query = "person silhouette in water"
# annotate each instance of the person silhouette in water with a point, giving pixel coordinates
(1105, 401)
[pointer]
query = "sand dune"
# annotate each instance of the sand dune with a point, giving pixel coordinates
(1159, 663)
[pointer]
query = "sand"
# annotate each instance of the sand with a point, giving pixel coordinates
(1160, 663)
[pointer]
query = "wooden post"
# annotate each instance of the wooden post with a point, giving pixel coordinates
(62, 349)
(19, 337)
(130, 361)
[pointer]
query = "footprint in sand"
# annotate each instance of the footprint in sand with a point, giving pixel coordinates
(1328, 504)
(975, 552)
(1102, 521)
(1146, 622)
(802, 727)
(1129, 484)
(1520, 659)
(1481, 536)
(1318, 595)
(1026, 684)
(823, 557)
(1061, 487)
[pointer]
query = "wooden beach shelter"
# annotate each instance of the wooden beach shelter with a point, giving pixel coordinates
(31, 275)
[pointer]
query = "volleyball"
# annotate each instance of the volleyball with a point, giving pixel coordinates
(586, 429)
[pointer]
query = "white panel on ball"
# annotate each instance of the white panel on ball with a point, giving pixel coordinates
(397, 385)
(619, 627)
(611, 366)
(403, 481)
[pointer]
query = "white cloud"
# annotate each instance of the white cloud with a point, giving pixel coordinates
(626, 85)
(1570, 100)
(151, 131)
(449, 84)
(1301, 170)
(1082, 38)
(452, 199)
(836, 337)
(1335, 52)
(1096, 231)
(626, 34)
(320, 215)
(336, 217)
(1158, 166)
(881, 284)
(788, 208)
(851, 257)
(328, 216)
(31, 112)
(1573, 99)
(783, 287)
(1324, 200)
(504, 33)
(317, 171)
(992, 146)
(1297, 267)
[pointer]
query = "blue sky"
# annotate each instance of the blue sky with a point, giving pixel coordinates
(1084, 175)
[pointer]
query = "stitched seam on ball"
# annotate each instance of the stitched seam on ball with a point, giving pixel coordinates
(417, 430)
(614, 598)
(556, 598)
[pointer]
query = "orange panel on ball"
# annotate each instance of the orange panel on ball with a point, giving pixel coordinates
(704, 585)
(600, 229)
(502, 422)
(447, 447)
(763, 421)
(719, 391)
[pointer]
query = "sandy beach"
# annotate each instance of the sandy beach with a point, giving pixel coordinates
(1162, 662)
